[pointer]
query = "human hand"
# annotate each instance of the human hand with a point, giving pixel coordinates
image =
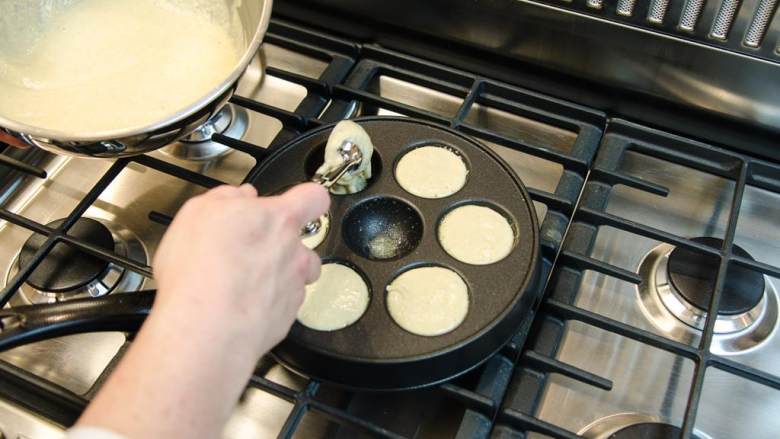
(232, 266)
(230, 275)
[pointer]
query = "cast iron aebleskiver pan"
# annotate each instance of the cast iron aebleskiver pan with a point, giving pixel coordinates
(375, 353)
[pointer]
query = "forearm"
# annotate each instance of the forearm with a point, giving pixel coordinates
(181, 377)
(223, 299)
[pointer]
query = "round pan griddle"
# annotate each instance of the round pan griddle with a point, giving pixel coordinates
(374, 352)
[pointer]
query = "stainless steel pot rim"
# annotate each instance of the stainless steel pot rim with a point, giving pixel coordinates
(97, 136)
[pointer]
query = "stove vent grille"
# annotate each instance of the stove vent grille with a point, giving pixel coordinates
(724, 19)
(747, 26)
(595, 4)
(690, 15)
(760, 23)
(625, 7)
(657, 11)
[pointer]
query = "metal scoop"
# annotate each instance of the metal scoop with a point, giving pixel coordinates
(352, 157)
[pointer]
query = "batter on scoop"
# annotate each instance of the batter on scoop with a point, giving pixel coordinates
(313, 241)
(356, 180)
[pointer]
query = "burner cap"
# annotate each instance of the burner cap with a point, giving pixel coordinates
(66, 268)
(647, 430)
(693, 275)
(232, 121)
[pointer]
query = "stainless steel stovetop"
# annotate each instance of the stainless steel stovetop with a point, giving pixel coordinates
(649, 383)
(551, 145)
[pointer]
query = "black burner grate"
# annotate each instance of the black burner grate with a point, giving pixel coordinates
(329, 98)
(344, 90)
(621, 138)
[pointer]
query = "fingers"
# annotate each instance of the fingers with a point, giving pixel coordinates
(227, 191)
(248, 190)
(224, 191)
(315, 266)
(305, 202)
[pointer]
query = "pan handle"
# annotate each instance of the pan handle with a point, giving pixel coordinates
(120, 312)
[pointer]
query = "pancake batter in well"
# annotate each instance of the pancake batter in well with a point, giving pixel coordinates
(428, 301)
(93, 66)
(335, 301)
(476, 235)
(431, 172)
(356, 180)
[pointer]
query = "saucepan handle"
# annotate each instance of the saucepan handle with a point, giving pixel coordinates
(118, 312)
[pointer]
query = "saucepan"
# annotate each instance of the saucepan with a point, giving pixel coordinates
(252, 16)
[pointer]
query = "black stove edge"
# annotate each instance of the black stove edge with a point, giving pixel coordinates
(645, 106)
(40, 396)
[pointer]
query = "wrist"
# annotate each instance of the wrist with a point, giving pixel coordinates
(177, 363)
(217, 329)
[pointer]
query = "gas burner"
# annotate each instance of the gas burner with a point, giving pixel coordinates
(677, 289)
(231, 121)
(633, 426)
(693, 277)
(65, 268)
(67, 273)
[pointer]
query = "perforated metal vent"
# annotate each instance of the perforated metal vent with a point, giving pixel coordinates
(657, 11)
(724, 19)
(761, 20)
(595, 4)
(625, 7)
(690, 14)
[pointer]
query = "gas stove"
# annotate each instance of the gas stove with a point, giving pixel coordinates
(639, 228)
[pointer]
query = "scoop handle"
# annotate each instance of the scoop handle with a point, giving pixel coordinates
(352, 158)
